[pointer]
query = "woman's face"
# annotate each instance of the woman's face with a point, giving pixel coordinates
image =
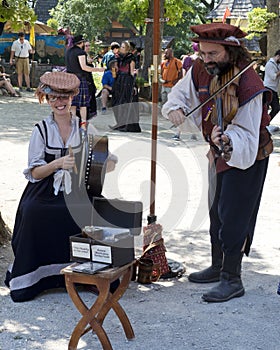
(60, 105)
(123, 49)
(87, 46)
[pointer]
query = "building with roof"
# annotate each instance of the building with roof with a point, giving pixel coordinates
(239, 10)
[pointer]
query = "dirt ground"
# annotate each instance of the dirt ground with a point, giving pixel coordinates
(168, 314)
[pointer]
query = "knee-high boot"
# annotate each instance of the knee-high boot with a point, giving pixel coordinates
(211, 273)
(230, 285)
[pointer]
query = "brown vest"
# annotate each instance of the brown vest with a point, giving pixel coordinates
(250, 85)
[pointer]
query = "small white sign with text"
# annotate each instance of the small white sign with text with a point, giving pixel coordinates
(81, 250)
(101, 253)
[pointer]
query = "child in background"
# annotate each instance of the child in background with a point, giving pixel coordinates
(107, 83)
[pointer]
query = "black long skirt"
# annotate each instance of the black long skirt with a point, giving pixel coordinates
(40, 241)
(125, 103)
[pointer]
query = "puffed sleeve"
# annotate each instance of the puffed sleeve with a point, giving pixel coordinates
(36, 153)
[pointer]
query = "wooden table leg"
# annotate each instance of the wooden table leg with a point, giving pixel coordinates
(112, 302)
(89, 315)
(93, 317)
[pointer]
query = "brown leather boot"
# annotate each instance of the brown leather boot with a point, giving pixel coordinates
(230, 285)
(211, 273)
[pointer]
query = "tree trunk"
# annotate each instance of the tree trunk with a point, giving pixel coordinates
(5, 233)
(273, 41)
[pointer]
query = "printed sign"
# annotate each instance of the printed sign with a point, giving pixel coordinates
(81, 250)
(101, 253)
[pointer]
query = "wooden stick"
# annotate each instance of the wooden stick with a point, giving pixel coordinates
(72, 154)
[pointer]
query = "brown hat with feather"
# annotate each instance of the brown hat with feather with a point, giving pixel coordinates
(218, 33)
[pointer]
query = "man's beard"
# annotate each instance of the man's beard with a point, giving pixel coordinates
(214, 68)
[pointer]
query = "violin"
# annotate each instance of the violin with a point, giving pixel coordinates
(228, 97)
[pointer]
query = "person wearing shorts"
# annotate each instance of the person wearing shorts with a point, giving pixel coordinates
(20, 51)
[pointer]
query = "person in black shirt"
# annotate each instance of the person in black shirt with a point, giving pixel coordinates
(76, 63)
(92, 110)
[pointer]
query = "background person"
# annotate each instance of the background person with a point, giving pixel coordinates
(6, 83)
(20, 50)
(125, 93)
(272, 80)
(237, 161)
(112, 54)
(76, 63)
(189, 59)
(171, 73)
(92, 110)
(107, 84)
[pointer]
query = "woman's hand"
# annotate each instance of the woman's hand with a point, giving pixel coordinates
(67, 162)
(42, 171)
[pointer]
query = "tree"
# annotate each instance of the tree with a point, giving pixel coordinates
(177, 13)
(273, 41)
(89, 18)
(17, 12)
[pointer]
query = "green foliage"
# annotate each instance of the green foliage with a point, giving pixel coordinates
(140, 81)
(137, 10)
(89, 18)
(97, 77)
(181, 31)
(259, 19)
(51, 22)
(17, 12)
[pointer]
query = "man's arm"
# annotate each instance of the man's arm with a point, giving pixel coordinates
(182, 99)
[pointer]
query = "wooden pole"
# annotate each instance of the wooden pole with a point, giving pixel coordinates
(156, 36)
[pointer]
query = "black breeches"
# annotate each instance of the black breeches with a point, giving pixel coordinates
(233, 213)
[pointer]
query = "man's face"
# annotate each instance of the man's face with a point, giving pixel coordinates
(278, 59)
(167, 54)
(215, 58)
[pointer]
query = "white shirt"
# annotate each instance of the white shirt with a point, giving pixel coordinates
(271, 80)
(243, 130)
(21, 49)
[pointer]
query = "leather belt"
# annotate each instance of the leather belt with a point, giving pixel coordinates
(22, 58)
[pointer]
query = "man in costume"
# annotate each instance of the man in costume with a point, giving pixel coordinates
(239, 148)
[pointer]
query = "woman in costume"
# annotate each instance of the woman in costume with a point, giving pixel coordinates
(124, 93)
(43, 222)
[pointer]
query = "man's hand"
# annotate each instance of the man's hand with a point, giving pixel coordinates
(176, 117)
(222, 141)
